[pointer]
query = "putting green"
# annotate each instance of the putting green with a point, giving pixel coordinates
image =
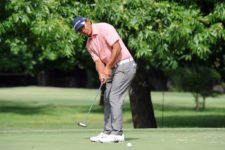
(141, 139)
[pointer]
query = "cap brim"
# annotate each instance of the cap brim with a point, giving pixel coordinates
(79, 26)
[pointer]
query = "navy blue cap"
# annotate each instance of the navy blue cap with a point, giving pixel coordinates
(78, 22)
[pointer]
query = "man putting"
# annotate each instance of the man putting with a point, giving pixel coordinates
(116, 68)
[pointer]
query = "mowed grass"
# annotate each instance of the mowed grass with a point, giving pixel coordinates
(44, 118)
(179, 110)
(141, 139)
(48, 107)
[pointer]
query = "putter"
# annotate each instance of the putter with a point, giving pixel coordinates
(85, 119)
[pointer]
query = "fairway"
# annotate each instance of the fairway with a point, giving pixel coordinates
(44, 118)
(60, 108)
(141, 139)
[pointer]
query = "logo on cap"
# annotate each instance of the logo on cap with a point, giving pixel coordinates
(78, 22)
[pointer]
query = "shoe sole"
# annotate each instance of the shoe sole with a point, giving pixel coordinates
(113, 142)
(94, 141)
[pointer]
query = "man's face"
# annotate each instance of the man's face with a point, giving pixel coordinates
(86, 29)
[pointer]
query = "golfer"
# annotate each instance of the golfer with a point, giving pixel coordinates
(116, 68)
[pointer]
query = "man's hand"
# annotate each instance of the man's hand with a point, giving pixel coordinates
(102, 78)
(107, 72)
(100, 69)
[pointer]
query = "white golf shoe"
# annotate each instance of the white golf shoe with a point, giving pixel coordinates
(113, 139)
(98, 137)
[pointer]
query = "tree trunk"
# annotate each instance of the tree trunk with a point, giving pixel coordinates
(203, 103)
(140, 101)
(42, 78)
(196, 102)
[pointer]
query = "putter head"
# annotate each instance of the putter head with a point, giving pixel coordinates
(81, 124)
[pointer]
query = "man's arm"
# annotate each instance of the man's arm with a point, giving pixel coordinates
(100, 66)
(104, 72)
(116, 50)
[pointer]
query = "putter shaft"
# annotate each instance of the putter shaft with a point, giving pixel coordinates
(84, 123)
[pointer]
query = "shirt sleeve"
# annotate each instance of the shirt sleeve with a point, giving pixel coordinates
(111, 35)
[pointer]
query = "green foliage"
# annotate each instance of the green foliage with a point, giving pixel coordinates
(35, 32)
(165, 34)
(198, 80)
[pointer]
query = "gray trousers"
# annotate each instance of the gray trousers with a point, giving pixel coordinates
(115, 93)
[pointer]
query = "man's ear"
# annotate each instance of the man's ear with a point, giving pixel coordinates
(88, 21)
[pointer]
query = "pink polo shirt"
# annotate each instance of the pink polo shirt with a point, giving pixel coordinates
(99, 45)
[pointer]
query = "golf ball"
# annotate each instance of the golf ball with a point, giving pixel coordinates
(129, 144)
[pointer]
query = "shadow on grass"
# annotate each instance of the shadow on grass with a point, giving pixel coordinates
(131, 139)
(178, 118)
(181, 116)
(206, 121)
(174, 108)
(33, 108)
(20, 108)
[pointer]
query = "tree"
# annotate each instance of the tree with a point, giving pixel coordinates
(213, 34)
(198, 80)
(35, 32)
(161, 35)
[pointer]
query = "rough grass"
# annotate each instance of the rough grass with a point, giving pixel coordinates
(47, 108)
(40, 118)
